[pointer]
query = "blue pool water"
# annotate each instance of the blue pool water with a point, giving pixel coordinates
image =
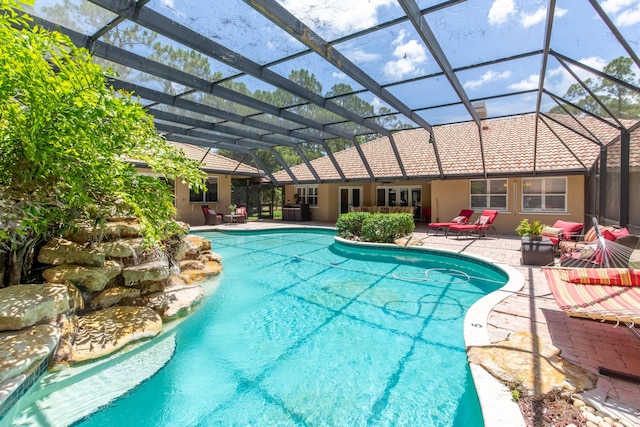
(305, 332)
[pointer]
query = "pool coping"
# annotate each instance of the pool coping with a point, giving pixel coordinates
(498, 407)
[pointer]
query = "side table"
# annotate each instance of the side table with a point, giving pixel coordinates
(537, 252)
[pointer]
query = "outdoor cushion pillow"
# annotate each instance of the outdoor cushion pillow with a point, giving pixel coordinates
(551, 231)
(483, 220)
(459, 219)
(601, 276)
(570, 229)
(614, 234)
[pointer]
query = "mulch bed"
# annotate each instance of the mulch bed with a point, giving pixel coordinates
(550, 412)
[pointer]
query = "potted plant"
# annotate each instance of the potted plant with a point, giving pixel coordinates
(531, 230)
(232, 207)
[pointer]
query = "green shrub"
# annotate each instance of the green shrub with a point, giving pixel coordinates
(350, 224)
(385, 228)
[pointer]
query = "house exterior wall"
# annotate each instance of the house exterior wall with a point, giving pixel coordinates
(191, 213)
(450, 196)
(329, 196)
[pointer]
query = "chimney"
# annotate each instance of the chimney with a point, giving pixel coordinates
(481, 109)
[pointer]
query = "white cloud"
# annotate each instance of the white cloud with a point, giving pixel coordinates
(339, 75)
(359, 55)
(500, 11)
(529, 83)
(615, 6)
(624, 12)
(487, 77)
(529, 20)
(558, 80)
(409, 54)
(332, 18)
(631, 17)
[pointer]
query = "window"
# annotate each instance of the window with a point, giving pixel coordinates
(307, 194)
(544, 194)
(398, 196)
(211, 195)
(489, 194)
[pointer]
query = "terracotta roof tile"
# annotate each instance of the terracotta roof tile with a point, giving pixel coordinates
(508, 145)
(216, 162)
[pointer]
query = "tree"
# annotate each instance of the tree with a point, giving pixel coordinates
(67, 142)
(623, 102)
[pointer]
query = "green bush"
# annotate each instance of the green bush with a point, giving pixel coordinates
(350, 224)
(384, 228)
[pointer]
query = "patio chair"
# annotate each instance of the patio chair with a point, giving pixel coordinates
(484, 222)
(604, 252)
(210, 216)
(579, 242)
(241, 214)
(605, 294)
(462, 218)
(562, 231)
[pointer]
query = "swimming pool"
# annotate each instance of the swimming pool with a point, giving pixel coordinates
(305, 332)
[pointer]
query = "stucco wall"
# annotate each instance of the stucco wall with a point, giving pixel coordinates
(191, 213)
(328, 196)
(449, 197)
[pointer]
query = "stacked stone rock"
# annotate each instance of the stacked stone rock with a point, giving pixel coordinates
(104, 290)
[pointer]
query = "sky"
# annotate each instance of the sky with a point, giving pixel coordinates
(470, 32)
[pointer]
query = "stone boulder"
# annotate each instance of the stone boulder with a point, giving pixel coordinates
(200, 244)
(22, 350)
(176, 303)
(112, 296)
(76, 301)
(178, 249)
(210, 269)
(147, 272)
(122, 248)
(106, 331)
(191, 264)
(537, 367)
(68, 326)
(87, 232)
(60, 251)
(211, 256)
(91, 278)
(26, 305)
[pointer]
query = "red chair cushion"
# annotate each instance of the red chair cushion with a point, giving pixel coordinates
(570, 228)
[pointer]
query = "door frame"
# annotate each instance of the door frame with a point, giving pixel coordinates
(350, 189)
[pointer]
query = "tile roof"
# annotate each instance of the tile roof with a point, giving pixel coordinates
(508, 145)
(213, 162)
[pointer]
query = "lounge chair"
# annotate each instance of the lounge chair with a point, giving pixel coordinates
(210, 216)
(484, 222)
(606, 294)
(462, 218)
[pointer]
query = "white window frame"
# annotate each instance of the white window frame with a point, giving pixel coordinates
(308, 194)
(488, 194)
(543, 194)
